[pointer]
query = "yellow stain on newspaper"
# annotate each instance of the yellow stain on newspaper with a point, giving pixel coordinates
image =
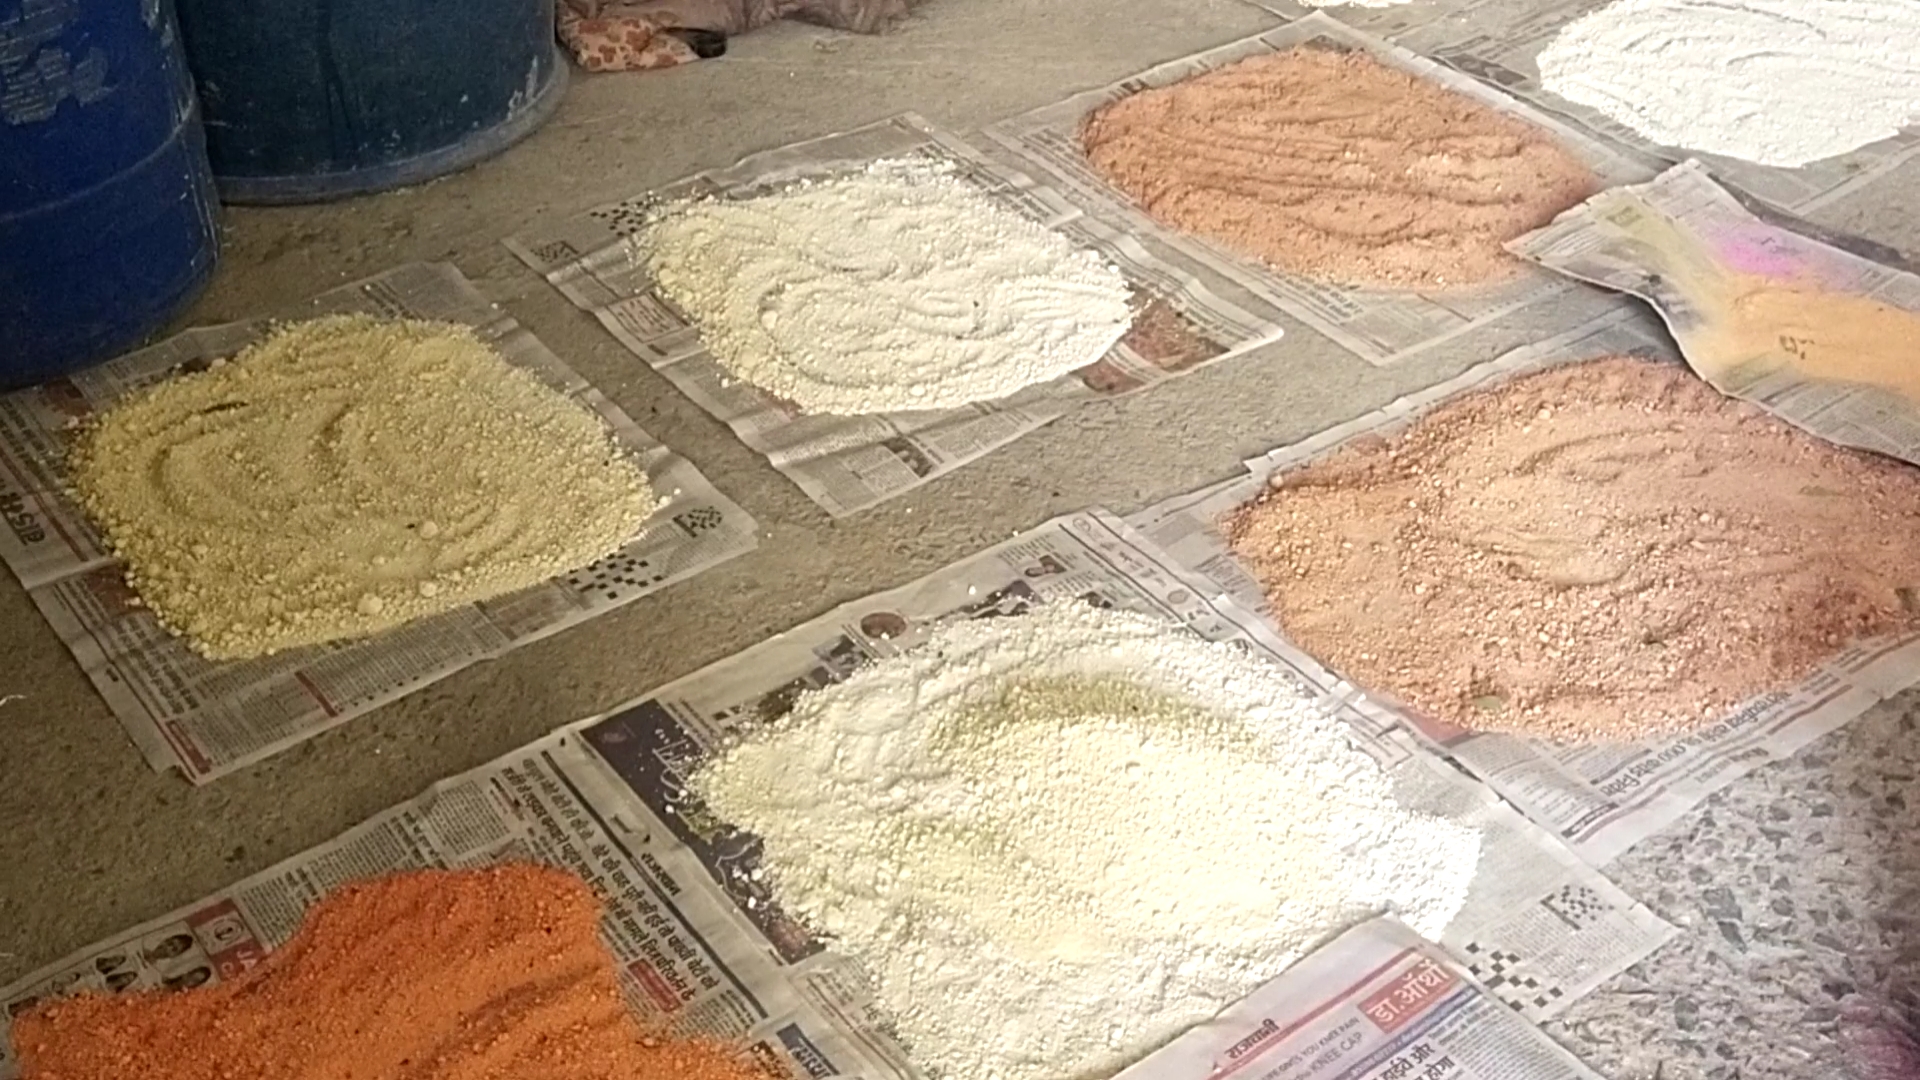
(1741, 327)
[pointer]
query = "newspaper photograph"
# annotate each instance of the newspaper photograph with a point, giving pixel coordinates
(1496, 42)
(1598, 799)
(699, 938)
(208, 718)
(1185, 318)
(1765, 310)
(1377, 325)
(1379, 1002)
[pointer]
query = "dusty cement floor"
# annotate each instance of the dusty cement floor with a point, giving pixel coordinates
(1787, 886)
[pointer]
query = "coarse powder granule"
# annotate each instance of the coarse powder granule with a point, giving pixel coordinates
(1336, 167)
(346, 475)
(1778, 82)
(895, 288)
(1056, 840)
(1606, 550)
(495, 974)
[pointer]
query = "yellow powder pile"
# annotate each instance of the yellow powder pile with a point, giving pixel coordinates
(494, 974)
(347, 475)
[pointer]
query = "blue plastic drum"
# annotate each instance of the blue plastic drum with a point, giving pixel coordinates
(309, 100)
(107, 209)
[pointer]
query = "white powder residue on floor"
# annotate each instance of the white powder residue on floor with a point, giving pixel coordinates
(896, 288)
(1778, 82)
(345, 475)
(1057, 840)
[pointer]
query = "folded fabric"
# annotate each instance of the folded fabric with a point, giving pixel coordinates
(634, 35)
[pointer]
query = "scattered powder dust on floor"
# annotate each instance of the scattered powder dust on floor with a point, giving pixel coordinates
(1057, 840)
(1606, 550)
(895, 288)
(495, 974)
(1336, 167)
(346, 475)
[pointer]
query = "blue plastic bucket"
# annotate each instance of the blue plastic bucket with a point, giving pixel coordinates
(107, 212)
(309, 100)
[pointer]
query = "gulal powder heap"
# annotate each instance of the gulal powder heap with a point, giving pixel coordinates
(1779, 82)
(347, 475)
(899, 287)
(1338, 168)
(1606, 550)
(494, 974)
(1056, 840)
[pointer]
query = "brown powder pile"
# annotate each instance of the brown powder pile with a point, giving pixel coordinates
(1336, 167)
(1605, 550)
(474, 975)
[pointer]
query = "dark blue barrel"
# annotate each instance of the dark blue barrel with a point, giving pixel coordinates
(106, 204)
(308, 100)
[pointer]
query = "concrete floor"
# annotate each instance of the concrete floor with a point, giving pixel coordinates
(92, 841)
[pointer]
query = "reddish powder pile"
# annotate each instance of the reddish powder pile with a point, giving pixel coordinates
(1601, 551)
(1337, 167)
(474, 975)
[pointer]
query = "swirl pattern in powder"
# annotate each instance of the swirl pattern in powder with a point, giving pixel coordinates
(1779, 82)
(347, 475)
(1606, 550)
(1338, 168)
(895, 288)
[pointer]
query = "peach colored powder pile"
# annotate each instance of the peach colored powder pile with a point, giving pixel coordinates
(1599, 551)
(1337, 167)
(492, 974)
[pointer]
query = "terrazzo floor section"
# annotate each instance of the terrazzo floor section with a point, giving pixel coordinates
(1794, 893)
(1779, 884)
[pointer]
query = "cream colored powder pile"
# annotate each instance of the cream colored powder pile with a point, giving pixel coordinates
(347, 475)
(899, 287)
(1056, 841)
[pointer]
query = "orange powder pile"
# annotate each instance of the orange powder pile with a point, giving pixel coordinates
(494, 974)
(1606, 550)
(1338, 168)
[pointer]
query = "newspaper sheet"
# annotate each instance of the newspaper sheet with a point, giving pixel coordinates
(1843, 361)
(1185, 318)
(1496, 42)
(698, 937)
(1601, 800)
(1376, 1003)
(209, 719)
(1378, 325)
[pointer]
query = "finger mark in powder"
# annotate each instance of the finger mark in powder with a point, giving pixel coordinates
(1610, 549)
(1336, 167)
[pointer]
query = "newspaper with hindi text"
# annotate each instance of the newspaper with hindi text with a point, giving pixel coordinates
(1838, 350)
(1185, 317)
(701, 942)
(209, 718)
(1600, 799)
(1496, 42)
(1376, 1003)
(1377, 325)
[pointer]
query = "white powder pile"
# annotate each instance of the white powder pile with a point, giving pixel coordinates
(346, 475)
(896, 288)
(1057, 840)
(1779, 82)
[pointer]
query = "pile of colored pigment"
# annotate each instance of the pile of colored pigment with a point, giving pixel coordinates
(494, 974)
(1058, 840)
(1606, 550)
(1336, 167)
(899, 287)
(346, 475)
